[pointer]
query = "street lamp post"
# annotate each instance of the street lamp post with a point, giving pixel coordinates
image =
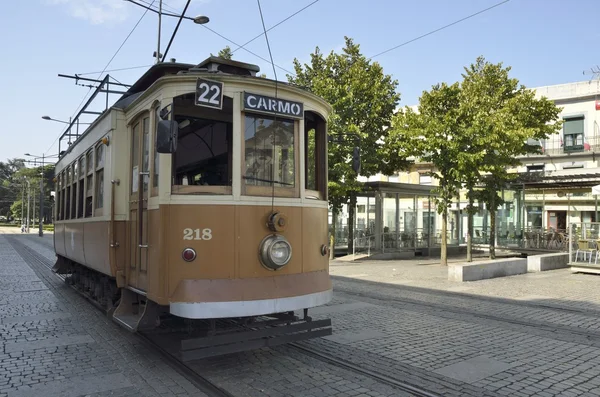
(200, 20)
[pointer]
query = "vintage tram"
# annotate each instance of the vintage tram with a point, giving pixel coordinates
(201, 193)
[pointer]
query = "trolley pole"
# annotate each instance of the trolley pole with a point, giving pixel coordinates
(159, 22)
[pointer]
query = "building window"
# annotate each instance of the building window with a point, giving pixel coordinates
(424, 179)
(573, 134)
(269, 152)
(360, 209)
(535, 168)
(100, 176)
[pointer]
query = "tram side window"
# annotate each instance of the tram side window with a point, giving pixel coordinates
(269, 151)
(58, 197)
(315, 155)
(68, 195)
(204, 144)
(63, 187)
(80, 187)
(100, 176)
(156, 165)
(89, 184)
(74, 191)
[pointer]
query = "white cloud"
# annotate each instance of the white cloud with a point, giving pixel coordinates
(114, 11)
(96, 11)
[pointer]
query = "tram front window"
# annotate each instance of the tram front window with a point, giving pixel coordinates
(269, 152)
(203, 156)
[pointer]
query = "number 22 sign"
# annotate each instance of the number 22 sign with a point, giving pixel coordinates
(209, 93)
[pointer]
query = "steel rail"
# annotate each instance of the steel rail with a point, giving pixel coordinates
(397, 384)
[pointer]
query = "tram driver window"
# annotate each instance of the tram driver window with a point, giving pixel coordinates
(269, 151)
(204, 144)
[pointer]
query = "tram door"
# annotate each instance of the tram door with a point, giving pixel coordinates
(138, 204)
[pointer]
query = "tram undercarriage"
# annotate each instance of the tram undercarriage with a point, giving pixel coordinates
(188, 339)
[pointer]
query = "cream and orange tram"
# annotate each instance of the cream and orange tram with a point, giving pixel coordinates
(201, 193)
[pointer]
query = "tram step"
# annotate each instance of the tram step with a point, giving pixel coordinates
(135, 312)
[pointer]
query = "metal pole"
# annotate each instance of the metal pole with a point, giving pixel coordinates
(41, 232)
(33, 209)
(28, 201)
(159, 22)
(23, 205)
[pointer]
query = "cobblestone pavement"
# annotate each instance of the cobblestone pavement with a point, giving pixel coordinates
(54, 343)
(528, 335)
(65, 350)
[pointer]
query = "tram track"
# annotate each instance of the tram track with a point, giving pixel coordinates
(198, 380)
(340, 363)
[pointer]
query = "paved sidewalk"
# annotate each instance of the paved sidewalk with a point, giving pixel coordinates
(557, 287)
(54, 343)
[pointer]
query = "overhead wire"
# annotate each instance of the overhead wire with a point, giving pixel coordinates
(438, 29)
(274, 129)
(247, 50)
(115, 70)
(239, 46)
(274, 26)
(100, 74)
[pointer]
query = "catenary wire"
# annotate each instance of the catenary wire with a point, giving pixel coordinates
(274, 26)
(437, 30)
(247, 50)
(100, 74)
(116, 70)
(275, 118)
(239, 46)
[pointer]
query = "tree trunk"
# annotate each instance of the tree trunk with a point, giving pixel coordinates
(443, 251)
(470, 229)
(351, 222)
(492, 233)
(332, 239)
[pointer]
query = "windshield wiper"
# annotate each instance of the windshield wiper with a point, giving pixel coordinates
(267, 180)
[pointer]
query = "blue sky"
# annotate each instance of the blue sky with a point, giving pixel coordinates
(545, 41)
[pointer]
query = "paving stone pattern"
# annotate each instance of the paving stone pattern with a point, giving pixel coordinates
(528, 335)
(277, 372)
(54, 343)
(525, 349)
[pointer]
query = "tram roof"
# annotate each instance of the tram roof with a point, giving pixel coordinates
(211, 64)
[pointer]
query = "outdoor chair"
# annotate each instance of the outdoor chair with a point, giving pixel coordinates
(586, 247)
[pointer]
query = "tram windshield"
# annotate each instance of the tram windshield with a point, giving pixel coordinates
(269, 151)
(203, 156)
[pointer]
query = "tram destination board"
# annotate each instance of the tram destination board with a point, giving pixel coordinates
(274, 106)
(209, 93)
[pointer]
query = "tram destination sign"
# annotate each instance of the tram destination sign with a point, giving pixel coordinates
(275, 106)
(209, 93)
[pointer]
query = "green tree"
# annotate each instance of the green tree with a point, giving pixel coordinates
(363, 98)
(225, 53)
(432, 135)
(34, 175)
(500, 117)
(10, 184)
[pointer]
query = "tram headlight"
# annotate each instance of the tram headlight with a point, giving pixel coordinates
(275, 252)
